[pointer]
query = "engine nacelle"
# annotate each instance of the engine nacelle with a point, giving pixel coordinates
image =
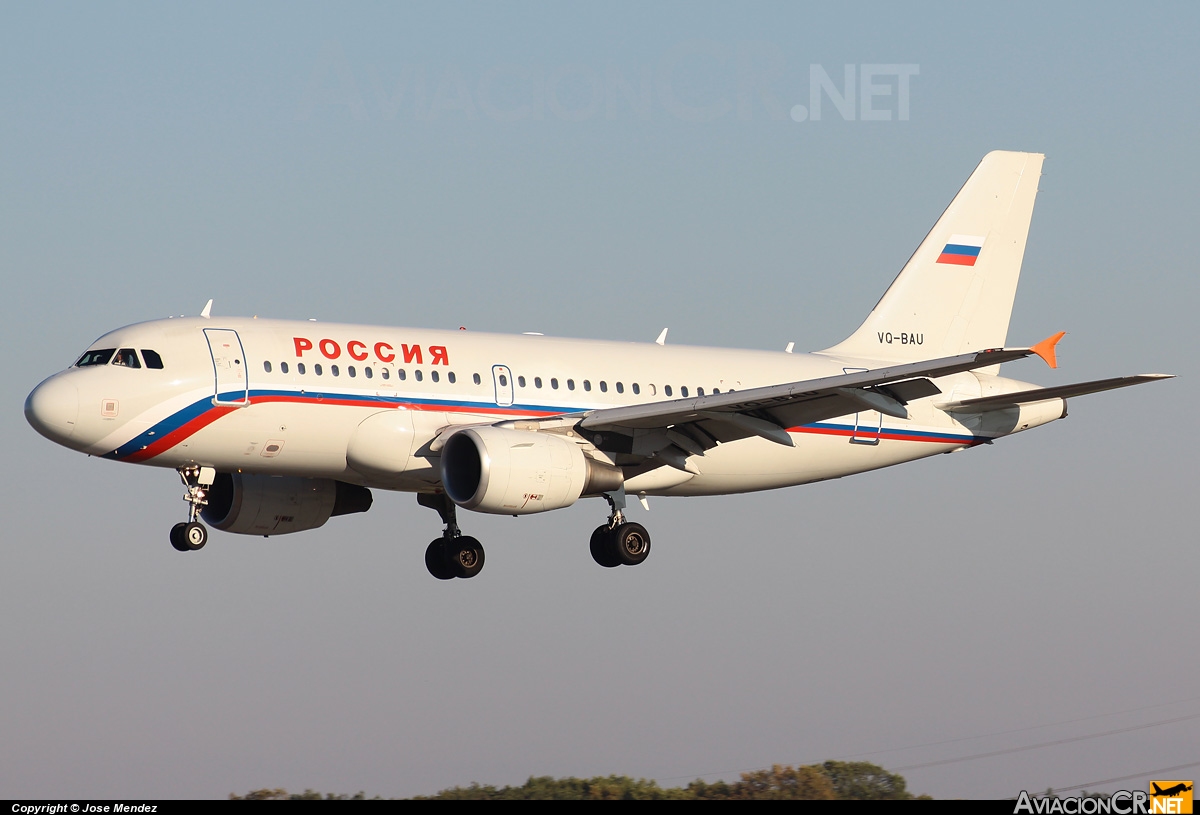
(519, 472)
(1024, 416)
(275, 505)
(1020, 417)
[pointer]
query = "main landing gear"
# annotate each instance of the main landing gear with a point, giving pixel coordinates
(616, 543)
(190, 536)
(453, 554)
(619, 542)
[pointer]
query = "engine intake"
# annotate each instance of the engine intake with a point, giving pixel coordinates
(276, 505)
(520, 472)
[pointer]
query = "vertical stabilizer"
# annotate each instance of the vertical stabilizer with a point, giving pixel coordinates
(956, 292)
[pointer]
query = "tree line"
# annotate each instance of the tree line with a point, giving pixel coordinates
(832, 780)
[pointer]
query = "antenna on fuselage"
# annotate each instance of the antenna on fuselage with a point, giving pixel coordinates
(207, 312)
(662, 338)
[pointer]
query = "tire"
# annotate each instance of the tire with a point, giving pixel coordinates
(464, 556)
(194, 535)
(602, 548)
(435, 560)
(177, 541)
(631, 544)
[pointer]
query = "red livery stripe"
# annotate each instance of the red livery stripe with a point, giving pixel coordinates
(957, 260)
(166, 442)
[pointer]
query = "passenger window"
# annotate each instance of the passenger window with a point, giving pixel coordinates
(587, 385)
(100, 357)
(333, 369)
(683, 391)
(451, 377)
(153, 360)
(433, 375)
(384, 373)
(476, 378)
(127, 357)
(537, 381)
(401, 374)
(267, 365)
(636, 389)
(554, 384)
(503, 381)
(667, 390)
(716, 390)
(417, 375)
(283, 366)
(368, 373)
(603, 386)
(317, 369)
(350, 370)
(300, 368)
(521, 381)
(570, 384)
(699, 391)
(620, 388)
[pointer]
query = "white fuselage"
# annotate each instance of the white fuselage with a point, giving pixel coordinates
(278, 397)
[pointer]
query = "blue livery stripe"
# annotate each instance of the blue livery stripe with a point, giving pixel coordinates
(185, 422)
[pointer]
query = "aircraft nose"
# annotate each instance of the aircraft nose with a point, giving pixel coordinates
(53, 408)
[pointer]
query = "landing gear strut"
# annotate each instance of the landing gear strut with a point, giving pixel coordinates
(190, 536)
(619, 542)
(453, 554)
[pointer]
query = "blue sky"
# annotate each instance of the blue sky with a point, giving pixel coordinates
(600, 172)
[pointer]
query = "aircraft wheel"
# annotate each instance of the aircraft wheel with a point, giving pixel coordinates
(602, 548)
(177, 540)
(465, 556)
(194, 535)
(436, 562)
(631, 544)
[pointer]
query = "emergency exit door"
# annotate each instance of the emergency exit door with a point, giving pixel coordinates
(502, 377)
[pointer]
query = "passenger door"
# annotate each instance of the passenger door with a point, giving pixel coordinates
(229, 367)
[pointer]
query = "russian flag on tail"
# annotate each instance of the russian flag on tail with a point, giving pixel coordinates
(962, 250)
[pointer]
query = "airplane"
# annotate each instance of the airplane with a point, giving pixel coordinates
(276, 426)
(1170, 792)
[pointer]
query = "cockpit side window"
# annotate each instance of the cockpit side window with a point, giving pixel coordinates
(127, 357)
(153, 360)
(100, 356)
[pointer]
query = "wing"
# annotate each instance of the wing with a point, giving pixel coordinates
(1002, 400)
(670, 431)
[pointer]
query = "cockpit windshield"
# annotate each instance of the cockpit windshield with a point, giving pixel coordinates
(99, 356)
(127, 357)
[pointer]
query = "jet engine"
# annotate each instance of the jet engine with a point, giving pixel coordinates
(276, 505)
(520, 472)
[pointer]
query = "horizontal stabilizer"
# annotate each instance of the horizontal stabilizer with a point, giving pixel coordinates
(1058, 392)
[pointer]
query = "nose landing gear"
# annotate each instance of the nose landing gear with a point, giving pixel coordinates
(189, 537)
(192, 535)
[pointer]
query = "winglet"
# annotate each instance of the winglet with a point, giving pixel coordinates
(1045, 349)
(207, 310)
(662, 338)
